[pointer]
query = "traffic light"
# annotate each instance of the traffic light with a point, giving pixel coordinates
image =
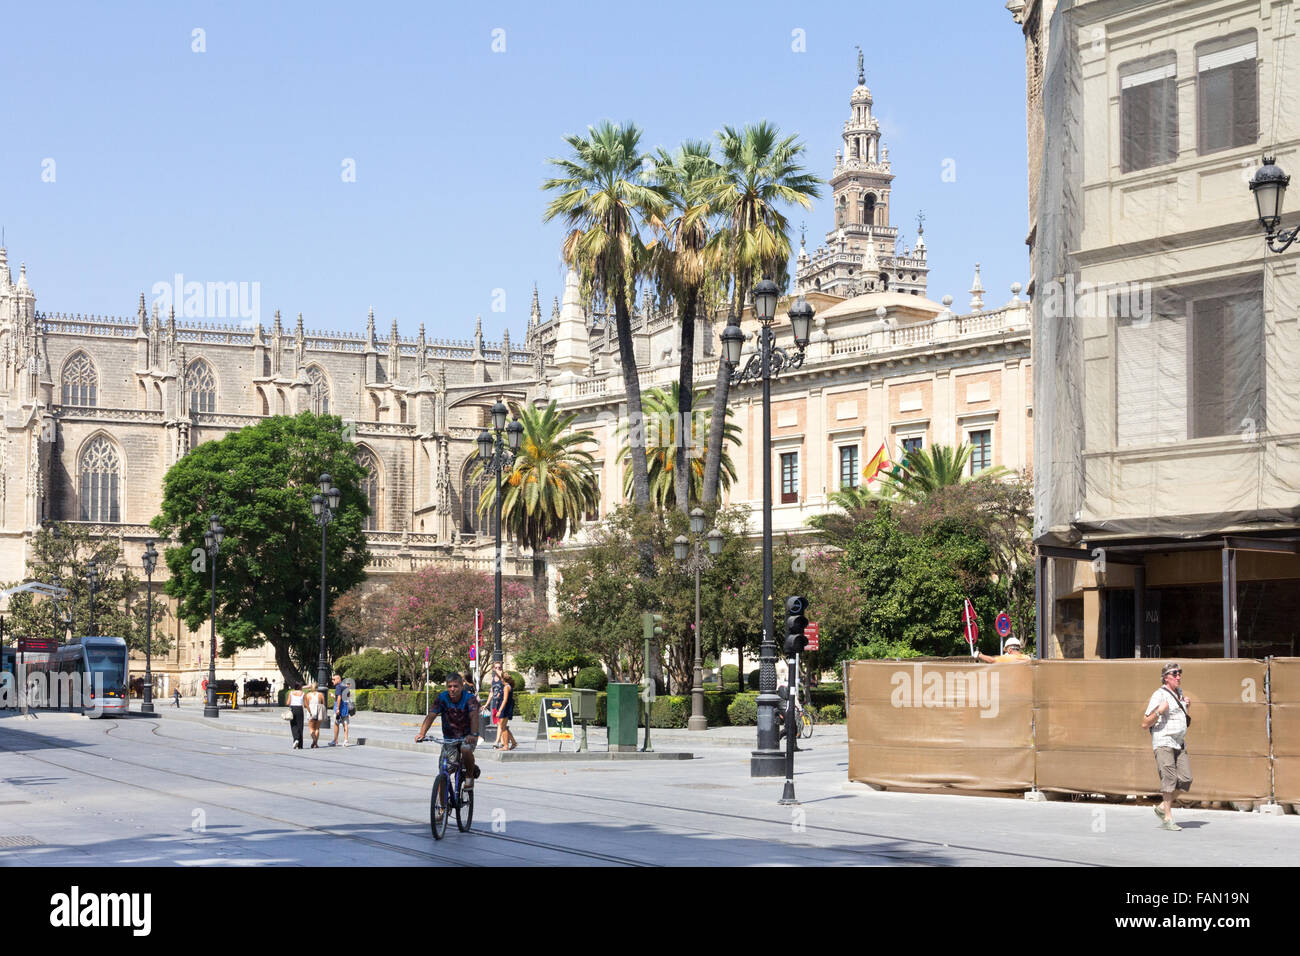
(795, 622)
(651, 625)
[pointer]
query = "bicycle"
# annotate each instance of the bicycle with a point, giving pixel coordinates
(803, 715)
(449, 790)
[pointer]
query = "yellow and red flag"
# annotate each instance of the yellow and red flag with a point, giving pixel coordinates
(879, 461)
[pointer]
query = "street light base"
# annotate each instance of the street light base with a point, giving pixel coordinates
(146, 707)
(697, 723)
(210, 711)
(766, 763)
(787, 796)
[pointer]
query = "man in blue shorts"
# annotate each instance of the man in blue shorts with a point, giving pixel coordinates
(459, 711)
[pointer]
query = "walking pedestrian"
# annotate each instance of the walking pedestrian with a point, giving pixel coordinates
(176, 696)
(502, 700)
(296, 698)
(1167, 719)
(342, 710)
(314, 706)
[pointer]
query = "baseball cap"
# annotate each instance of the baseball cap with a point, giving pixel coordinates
(1169, 669)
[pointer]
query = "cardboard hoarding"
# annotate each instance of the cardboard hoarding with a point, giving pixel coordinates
(1284, 695)
(937, 724)
(1089, 736)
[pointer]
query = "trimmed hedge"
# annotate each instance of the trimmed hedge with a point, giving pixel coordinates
(591, 678)
(831, 714)
(743, 710)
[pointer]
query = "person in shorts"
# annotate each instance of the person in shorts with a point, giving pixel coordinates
(459, 711)
(1167, 719)
(342, 710)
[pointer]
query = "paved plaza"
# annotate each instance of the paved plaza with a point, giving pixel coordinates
(181, 790)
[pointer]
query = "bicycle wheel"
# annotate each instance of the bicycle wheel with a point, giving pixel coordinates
(464, 807)
(805, 724)
(438, 806)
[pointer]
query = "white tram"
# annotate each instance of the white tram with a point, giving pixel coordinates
(87, 674)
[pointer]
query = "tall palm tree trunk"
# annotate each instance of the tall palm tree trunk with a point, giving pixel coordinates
(685, 430)
(632, 384)
(721, 394)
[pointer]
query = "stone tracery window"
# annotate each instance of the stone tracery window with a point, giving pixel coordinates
(101, 477)
(202, 384)
(80, 381)
(320, 391)
(370, 486)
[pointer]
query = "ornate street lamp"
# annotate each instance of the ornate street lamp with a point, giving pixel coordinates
(324, 506)
(150, 561)
(496, 451)
(212, 544)
(1269, 187)
(766, 364)
(697, 563)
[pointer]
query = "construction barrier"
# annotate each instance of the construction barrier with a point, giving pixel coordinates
(940, 724)
(1284, 696)
(1089, 736)
(1069, 726)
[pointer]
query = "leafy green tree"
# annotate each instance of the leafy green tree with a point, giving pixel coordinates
(556, 648)
(371, 668)
(549, 488)
(259, 482)
(760, 172)
(665, 447)
(59, 555)
(602, 196)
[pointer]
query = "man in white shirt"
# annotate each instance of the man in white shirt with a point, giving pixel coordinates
(1167, 719)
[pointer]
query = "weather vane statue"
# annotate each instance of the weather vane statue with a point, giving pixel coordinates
(862, 76)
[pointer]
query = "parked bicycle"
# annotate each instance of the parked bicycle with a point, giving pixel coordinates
(802, 713)
(449, 790)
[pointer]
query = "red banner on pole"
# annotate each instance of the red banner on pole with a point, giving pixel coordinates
(813, 633)
(972, 629)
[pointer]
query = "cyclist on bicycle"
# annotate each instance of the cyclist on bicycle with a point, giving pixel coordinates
(459, 711)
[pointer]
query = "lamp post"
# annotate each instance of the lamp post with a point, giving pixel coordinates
(1269, 188)
(92, 575)
(323, 506)
(150, 561)
(212, 543)
(697, 563)
(496, 451)
(766, 364)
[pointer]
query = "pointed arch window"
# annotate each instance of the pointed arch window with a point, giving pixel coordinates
(471, 491)
(370, 487)
(202, 384)
(80, 381)
(320, 391)
(101, 479)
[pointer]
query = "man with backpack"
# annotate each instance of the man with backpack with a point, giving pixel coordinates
(1167, 719)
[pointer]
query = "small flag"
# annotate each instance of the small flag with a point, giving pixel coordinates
(972, 629)
(876, 465)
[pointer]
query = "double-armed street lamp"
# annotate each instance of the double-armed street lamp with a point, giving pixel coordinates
(496, 451)
(150, 561)
(212, 544)
(697, 563)
(324, 506)
(764, 365)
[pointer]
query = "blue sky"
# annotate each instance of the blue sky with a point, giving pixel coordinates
(227, 165)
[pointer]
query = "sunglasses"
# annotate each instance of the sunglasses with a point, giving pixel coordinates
(1175, 673)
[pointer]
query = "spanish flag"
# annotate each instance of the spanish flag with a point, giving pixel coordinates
(877, 464)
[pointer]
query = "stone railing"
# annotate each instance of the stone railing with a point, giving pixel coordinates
(384, 428)
(598, 386)
(399, 539)
(994, 321)
(214, 420)
(388, 562)
(153, 416)
(912, 334)
(60, 323)
(108, 530)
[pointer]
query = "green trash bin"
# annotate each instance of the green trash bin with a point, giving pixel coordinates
(621, 708)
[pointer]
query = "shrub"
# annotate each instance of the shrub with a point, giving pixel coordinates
(591, 678)
(743, 710)
(730, 674)
(516, 681)
(830, 714)
(825, 696)
(752, 680)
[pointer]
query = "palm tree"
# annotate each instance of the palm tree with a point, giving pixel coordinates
(759, 171)
(664, 446)
(924, 471)
(603, 198)
(680, 263)
(551, 486)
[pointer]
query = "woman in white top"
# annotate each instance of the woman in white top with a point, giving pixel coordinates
(296, 698)
(314, 704)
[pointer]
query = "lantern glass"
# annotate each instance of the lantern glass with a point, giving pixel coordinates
(324, 481)
(1268, 201)
(765, 295)
(207, 540)
(317, 505)
(515, 434)
(334, 495)
(697, 521)
(218, 535)
(680, 544)
(715, 542)
(801, 316)
(499, 412)
(484, 444)
(733, 340)
(150, 558)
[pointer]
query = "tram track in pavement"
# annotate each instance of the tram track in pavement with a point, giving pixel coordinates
(892, 854)
(317, 801)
